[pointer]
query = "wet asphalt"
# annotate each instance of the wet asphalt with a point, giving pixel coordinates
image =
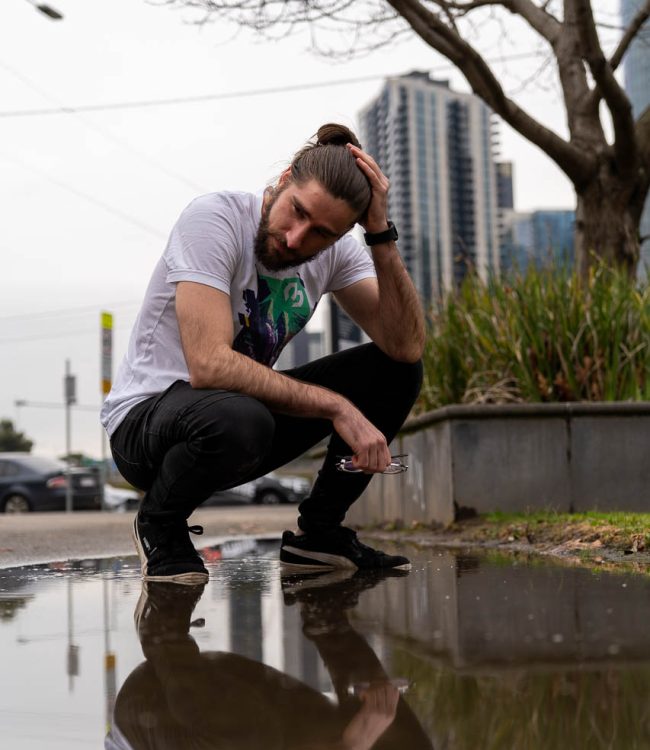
(31, 538)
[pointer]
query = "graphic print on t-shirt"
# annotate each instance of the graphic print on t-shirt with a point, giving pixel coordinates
(272, 318)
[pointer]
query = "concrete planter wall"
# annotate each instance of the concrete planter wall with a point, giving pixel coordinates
(565, 457)
(472, 616)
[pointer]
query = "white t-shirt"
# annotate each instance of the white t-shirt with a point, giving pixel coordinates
(213, 243)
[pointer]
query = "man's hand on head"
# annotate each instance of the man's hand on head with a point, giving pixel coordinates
(376, 217)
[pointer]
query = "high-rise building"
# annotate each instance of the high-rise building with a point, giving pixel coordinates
(437, 148)
(541, 238)
(505, 190)
(505, 211)
(636, 65)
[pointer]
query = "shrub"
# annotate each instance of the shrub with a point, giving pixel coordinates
(543, 336)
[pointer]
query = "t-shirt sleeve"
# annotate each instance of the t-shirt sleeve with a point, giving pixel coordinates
(350, 263)
(203, 245)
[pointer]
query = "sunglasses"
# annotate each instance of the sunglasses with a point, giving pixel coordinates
(344, 463)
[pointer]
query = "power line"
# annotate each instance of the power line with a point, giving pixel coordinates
(60, 335)
(20, 403)
(90, 198)
(107, 134)
(71, 311)
(143, 103)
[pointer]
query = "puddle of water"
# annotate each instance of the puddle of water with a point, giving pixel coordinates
(463, 652)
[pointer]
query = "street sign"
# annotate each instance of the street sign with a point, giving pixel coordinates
(107, 352)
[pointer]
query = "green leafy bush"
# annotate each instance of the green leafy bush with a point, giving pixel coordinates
(543, 336)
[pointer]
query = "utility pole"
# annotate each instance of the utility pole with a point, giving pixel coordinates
(70, 398)
(106, 357)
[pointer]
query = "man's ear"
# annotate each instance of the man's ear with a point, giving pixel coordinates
(284, 177)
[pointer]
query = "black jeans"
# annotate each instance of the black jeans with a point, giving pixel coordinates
(185, 444)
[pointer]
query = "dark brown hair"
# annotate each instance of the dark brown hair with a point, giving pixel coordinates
(329, 162)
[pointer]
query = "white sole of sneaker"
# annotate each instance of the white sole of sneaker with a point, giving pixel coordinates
(326, 560)
(288, 568)
(139, 607)
(293, 581)
(187, 579)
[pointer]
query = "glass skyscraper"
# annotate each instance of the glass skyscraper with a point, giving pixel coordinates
(637, 83)
(541, 238)
(436, 147)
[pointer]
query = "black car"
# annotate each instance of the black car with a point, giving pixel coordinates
(271, 489)
(34, 483)
(280, 488)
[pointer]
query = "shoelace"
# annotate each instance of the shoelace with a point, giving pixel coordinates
(358, 545)
(179, 541)
(351, 536)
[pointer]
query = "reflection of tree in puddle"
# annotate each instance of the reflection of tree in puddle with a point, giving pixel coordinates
(535, 710)
(10, 604)
(181, 697)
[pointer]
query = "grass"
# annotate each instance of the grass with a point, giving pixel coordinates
(542, 336)
(615, 541)
(627, 522)
(588, 534)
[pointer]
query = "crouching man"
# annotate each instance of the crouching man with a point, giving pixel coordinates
(196, 406)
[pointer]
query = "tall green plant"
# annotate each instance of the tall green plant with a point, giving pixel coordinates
(542, 336)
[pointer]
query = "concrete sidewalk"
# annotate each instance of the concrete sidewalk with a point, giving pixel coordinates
(32, 538)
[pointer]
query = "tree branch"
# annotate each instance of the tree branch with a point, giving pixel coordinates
(576, 163)
(642, 130)
(614, 96)
(628, 37)
(544, 23)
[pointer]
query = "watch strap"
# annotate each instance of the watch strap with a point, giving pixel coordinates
(378, 238)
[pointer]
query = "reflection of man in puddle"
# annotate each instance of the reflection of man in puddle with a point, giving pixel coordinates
(182, 699)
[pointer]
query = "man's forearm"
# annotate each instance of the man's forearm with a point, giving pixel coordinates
(231, 371)
(212, 363)
(400, 311)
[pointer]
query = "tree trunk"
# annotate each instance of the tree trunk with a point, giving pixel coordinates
(608, 213)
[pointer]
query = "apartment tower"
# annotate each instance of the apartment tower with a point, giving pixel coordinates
(437, 148)
(636, 64)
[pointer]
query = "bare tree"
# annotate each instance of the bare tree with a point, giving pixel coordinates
(611, 177)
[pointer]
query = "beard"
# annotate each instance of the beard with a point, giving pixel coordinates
(264, 251)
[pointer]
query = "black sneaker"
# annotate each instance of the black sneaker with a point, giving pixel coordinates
(164, 613)
(335, 548)
(325, 597)
(339, 587)
(166, 552)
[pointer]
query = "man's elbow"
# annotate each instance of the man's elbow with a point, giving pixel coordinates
(407, 352)
(201, 375)
(409, 357)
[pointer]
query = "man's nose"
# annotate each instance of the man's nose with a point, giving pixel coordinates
(296, 235)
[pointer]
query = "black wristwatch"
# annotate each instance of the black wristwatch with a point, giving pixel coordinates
(377, 238)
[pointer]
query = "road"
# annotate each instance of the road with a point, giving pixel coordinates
(32, 538)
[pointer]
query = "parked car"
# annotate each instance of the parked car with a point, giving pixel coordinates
(280, 488)
(120, 499)
(35, 483)
(271, 489)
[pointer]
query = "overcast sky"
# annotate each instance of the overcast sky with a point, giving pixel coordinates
(87, 200)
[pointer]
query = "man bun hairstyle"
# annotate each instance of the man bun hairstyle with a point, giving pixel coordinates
(336, 135)
(326, 160)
